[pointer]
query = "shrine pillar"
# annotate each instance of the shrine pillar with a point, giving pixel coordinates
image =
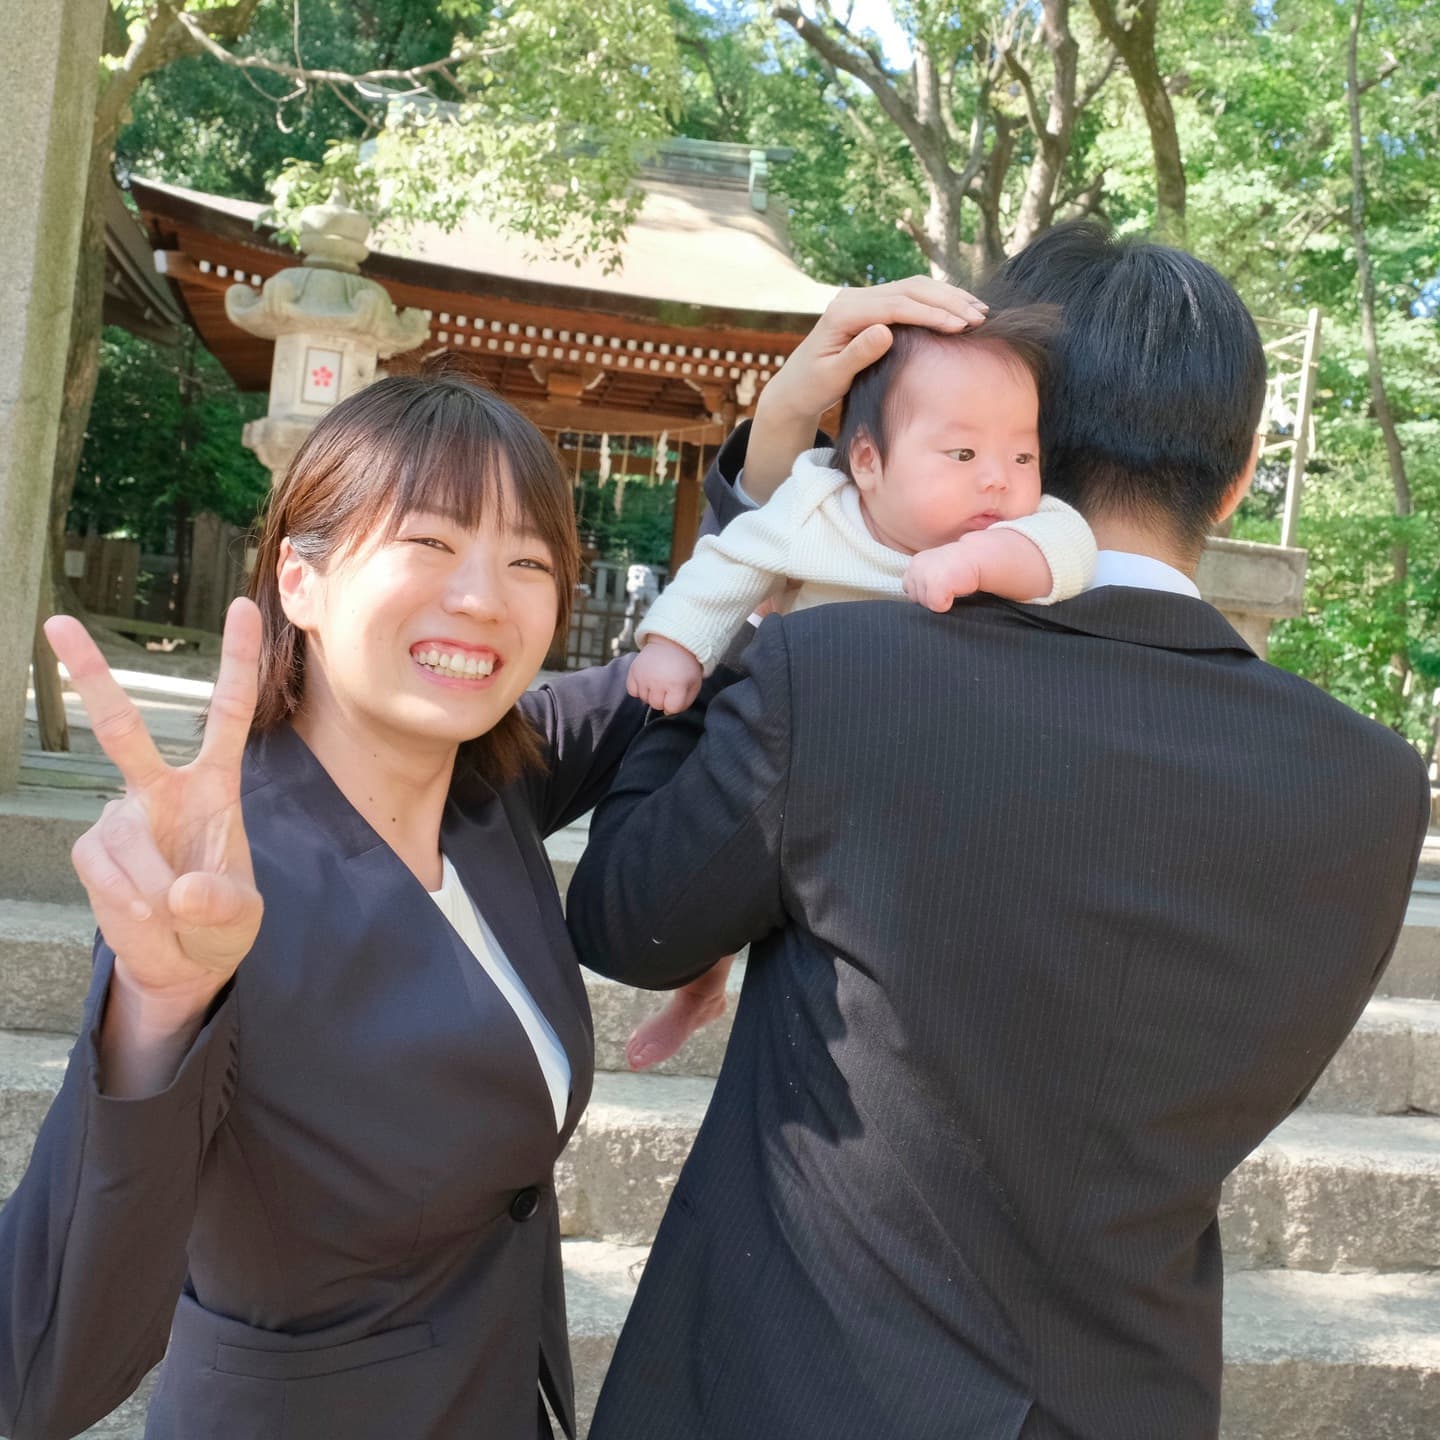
(47, 113)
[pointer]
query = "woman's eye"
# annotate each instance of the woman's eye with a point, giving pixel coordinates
(531, 562)
(1024, 458)
(427, 540)
(961, 454)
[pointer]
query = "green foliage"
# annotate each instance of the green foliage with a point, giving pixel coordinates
(638, 533)
(199, 123)
(1268, 153)
(163, 443)
(557, 106)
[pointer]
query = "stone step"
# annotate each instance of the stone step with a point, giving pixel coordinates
(37, 829)
(1331, 1357)
(1389, 1065)
(38, 825)
(1325, 1192)
(1343, 1357)
(1414, 969)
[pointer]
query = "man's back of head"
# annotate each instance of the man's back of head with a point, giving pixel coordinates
(1157, 378)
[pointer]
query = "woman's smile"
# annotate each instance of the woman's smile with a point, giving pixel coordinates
(456, 665)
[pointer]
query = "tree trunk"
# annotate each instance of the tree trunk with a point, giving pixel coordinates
(82, 365)
(1053, 131)
(49, 694)
(1394, 454)
(1135, 40)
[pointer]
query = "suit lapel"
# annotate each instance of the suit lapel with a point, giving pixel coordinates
(479, 836)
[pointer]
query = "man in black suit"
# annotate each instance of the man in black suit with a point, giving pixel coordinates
(1055, 913)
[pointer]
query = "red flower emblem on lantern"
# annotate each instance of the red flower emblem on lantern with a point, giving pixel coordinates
(323, 376)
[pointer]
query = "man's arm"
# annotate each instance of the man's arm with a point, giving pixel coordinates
(683, 864)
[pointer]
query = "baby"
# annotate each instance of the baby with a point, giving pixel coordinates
(932, 492)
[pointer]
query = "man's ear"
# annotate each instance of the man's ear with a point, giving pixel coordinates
(865, 465)
(298, 584)
(1240, 486)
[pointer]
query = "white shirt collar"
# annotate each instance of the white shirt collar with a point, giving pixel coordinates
(1140, 572)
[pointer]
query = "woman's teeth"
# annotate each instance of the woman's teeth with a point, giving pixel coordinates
(458, 667)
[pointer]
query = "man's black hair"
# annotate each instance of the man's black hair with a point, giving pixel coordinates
(1156, 382)
(1020, 333)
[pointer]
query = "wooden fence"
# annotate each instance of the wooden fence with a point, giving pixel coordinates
(112, 577)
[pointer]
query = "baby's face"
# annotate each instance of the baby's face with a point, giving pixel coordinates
(965, 454)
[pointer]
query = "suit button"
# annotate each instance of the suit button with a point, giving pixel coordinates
(525, 1204)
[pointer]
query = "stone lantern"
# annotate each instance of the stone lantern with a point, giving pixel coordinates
(330, 326)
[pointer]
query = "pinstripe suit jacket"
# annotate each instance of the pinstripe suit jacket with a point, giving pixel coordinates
(1056, 913)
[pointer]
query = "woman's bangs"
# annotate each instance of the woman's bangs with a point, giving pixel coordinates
(474, 469)
(450, 466)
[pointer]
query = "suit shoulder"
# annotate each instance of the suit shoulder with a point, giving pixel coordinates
(1384, 753)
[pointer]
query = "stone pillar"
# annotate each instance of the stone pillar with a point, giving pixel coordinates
(47, 112)
(330, 326)
(1252, 585)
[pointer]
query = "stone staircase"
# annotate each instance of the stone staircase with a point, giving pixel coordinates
(1332, 1228)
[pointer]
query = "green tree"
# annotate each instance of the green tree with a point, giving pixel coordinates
(164, 444)
(1268, 133)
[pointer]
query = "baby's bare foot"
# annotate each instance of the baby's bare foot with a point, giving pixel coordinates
(689, 1009)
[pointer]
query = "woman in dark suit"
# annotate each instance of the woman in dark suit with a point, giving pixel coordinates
(337, 1035)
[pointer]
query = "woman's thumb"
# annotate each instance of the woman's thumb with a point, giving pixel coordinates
(203, 901)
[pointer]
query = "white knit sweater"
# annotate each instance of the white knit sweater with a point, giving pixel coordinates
(813, 530)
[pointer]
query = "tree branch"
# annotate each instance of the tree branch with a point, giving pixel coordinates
(308, 75)
(1100, 81)
(867, 47)
(147, 52)
(927, 144)
(1027, 89)
(927, 247)
(1390, 66)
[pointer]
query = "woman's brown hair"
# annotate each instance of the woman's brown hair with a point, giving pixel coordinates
(434, 441)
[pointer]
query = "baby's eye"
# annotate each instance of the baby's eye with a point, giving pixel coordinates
(961, 455)
(1025, 458)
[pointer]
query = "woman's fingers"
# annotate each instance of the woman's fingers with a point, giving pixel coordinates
(114, 719)
(217, 918)
(112, 893)
(232, 705)
(125, 832)
(916, 301)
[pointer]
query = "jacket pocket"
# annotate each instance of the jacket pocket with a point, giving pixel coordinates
(328, 1360)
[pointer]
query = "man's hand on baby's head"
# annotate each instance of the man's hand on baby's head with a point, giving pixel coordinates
(934, 578)
(666, 676)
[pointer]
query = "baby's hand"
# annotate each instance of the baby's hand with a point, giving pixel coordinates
(666, 676)
(935, 577)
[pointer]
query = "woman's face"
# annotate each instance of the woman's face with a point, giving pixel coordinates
(433, 634)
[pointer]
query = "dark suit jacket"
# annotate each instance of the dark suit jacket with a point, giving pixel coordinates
(351, 1175)
(1056, 913)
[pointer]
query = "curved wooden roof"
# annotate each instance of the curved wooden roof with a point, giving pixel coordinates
(703, 310)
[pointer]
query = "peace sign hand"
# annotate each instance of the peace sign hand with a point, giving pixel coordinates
(167, 868)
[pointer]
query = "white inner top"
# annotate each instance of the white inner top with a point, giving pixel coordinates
(1141, 572)
(461, 911)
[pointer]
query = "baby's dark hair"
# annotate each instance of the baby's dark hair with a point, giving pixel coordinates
(1020, 333)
